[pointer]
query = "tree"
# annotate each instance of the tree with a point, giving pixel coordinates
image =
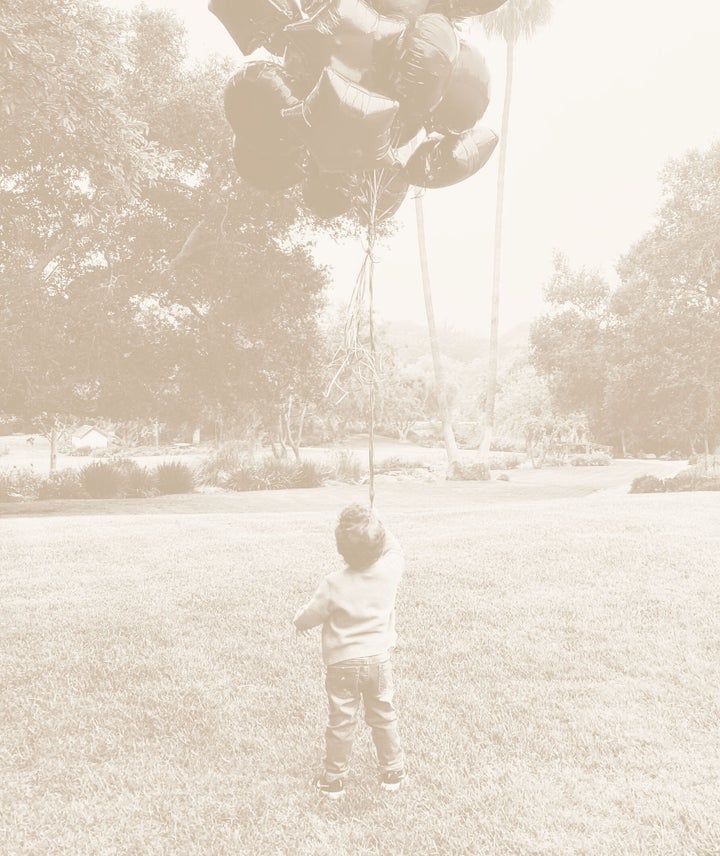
(515, 18)
(644, 361)
(667, 311)
(107, 306)
(440, 385)
(526, 411)
(569, 342)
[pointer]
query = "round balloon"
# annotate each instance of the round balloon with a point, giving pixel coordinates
(268, 171)
(464, 8)
(254, 99)
(251, 23)
(380, 194)
(345, 127)
(409, 9)
(421, 71)
(444, 160)
(468, 93)
(328, 195)
(347, 35)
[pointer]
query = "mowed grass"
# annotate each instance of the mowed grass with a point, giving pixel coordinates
(557, 681)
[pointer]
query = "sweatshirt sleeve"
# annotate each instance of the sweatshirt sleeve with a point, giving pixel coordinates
(392, 545)
(316, 610)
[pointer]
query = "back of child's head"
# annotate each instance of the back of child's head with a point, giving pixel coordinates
(360, 536)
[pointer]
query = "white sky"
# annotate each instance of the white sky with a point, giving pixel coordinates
(603, 97)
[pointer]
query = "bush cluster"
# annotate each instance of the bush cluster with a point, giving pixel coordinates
(685, 481)
(594, 459)
(272, 474)
(469, 472)
(120, 478)
(218, 466)
(125, 478)
(19, 483)
(63, 484)
(345, 467)
(395, 465)
(505, 460)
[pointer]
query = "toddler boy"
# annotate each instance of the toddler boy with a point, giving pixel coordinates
(356, 607)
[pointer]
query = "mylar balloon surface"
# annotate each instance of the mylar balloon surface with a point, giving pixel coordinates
(345, 127)
(468, 92)
(409, 9)
(251, 23)
(273, 171)
(254, 99)
(346, 35)
(441, 161)
(381, 194)
(422, 69)
(328, 195)
(464, 8)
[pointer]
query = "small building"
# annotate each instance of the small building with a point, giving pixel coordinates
(90, 437)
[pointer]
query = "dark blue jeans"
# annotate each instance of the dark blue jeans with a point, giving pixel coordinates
(369, 679)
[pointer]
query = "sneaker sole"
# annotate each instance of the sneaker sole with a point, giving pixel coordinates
(332, 795)
(395, 786)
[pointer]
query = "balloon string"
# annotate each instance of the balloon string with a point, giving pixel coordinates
(370, 272)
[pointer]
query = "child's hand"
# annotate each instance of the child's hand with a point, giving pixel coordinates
(305, 633)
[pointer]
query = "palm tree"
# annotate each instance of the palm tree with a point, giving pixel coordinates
(448, 434)
(515, 18)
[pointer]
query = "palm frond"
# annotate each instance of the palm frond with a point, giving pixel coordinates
(517, 18)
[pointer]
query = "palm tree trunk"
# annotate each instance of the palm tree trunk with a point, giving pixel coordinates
(448, 434)
(497, 255)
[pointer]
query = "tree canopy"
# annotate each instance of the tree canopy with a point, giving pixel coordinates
(137, 275)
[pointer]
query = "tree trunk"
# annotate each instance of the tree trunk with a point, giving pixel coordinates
(623, 444)
(299, 434)
(497, 257)
(448, 434)
(53, 437)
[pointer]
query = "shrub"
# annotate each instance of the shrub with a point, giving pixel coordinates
(215, 469)
(594, 459)
(505, 444)
(395, 464)
(346, 467)
(174, 477)
(647, 484)
(101, 480)
(690, 479)
(135, 480)
(469, 472)
(82, 451)
(63, 484)
(553, 461)
(505, 460)
(19, 483)
(708, 484)
(271, 474)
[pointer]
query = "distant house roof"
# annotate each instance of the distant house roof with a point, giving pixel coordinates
(84, 430)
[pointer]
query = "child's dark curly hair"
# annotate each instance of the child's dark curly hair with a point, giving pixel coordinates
(360, 536)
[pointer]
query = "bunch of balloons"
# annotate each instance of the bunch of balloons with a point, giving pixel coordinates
(351, 88)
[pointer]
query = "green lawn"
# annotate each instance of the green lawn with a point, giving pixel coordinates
(557, 674)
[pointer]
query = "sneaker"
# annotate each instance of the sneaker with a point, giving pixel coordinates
(333, 790)
(393, 780)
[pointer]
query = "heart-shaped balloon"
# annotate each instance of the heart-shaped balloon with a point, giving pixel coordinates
(421, 71)
(468, 92)
(444, 160)
(345, 127)
(347, 35)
